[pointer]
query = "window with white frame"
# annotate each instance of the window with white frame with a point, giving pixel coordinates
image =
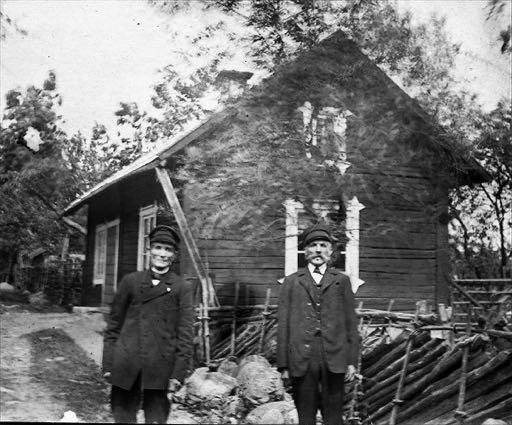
(346, 256)
(100, 254)
(106, 247)
(147, 222)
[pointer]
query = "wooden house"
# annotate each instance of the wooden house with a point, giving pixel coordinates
(397, 171)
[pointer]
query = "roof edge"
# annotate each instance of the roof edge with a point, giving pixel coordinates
(152, 158)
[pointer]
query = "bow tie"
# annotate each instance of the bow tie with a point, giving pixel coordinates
(317, 270)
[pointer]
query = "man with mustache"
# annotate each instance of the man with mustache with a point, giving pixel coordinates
(317, 339)
(148, 340)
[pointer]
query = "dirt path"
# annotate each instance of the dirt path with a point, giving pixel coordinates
(49, 363)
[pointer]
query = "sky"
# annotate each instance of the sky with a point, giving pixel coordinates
(108, 51)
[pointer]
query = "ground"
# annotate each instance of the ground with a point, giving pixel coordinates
(49, 364)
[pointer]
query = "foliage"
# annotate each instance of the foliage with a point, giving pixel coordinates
(498, 8)
(483, 221)
(8, 26)
(41, 169)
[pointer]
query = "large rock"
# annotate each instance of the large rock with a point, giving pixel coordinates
(494, 422)
(228, 367)
(254, 358)
(277, 412)
(259, 383)
(7, 287)
(179, 416)
(209, 388)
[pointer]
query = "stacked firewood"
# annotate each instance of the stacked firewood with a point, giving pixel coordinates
(428, 389)
(250, 334)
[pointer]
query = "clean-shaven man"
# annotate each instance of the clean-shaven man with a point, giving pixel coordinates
(149, 337)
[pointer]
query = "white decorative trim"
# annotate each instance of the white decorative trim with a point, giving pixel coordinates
(291, 242)
(144, 213)
(352, 231)
(352, 247)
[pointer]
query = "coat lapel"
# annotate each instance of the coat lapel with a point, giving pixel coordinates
(328, 279)
(150, 291)
(306, 281)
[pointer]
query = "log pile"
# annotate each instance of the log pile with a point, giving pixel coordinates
(414, 368)
(428, 390)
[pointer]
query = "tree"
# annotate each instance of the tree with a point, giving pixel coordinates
(41, 170)
(498, 8)
(483, 222)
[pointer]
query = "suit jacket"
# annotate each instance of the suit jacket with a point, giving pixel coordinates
(302, 315)
(150, 331)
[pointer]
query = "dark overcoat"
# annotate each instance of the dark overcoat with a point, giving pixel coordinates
(305, 312)
(150, 331)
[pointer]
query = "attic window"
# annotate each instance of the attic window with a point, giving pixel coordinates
(345, 223)
(325, 133)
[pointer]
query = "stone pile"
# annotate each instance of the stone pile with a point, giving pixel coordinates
(248, 391)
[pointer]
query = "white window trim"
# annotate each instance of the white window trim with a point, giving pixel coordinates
(351, 250)
(100, 280)
(144, 212)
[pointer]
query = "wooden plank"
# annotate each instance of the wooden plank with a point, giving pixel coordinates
(419, 266)
(244, 262)
(381, 303)
(225, 244)
(396, 253)
(208, 291)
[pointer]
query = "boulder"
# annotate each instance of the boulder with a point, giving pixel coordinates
(259, 383)
(7, 287)
(494, 422)
(228, 367)
(179, 416)
(291, 417)
(277, 412)
(254, 358)
(233, 406)
(211, 389)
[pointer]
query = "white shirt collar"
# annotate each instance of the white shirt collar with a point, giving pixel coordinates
(322, 268)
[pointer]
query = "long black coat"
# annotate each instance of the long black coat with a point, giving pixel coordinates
(302, 314)
(150, 331)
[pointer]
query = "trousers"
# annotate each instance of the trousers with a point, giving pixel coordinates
(125, 404)
(319, 389)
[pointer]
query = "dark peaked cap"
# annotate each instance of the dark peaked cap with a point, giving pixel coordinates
(164, 234)
(316, 232)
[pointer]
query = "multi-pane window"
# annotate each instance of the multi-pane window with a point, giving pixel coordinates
(147, 222)
(100, 254)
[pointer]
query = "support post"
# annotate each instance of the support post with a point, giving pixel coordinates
(353, 416)
(207, 289)
(397, 401)
(233, 323)
(460, 414)
(265, 313)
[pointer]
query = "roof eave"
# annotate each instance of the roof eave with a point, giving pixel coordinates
(152, 159)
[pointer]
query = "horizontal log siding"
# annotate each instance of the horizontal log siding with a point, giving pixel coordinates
(398, 242)
(231, 261)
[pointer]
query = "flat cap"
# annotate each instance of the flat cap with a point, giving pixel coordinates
(316, 232)
(164, 234)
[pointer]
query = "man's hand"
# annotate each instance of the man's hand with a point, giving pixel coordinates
(108, 377)
(174, 385)
(350, 373)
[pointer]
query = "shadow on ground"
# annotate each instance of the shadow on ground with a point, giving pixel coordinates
(70, 376)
